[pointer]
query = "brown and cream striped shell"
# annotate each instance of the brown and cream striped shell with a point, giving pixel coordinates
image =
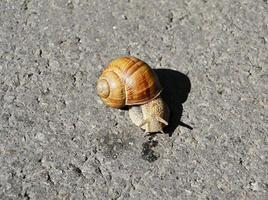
(128, 81)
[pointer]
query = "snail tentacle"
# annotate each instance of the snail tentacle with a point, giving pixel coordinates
(161, 120)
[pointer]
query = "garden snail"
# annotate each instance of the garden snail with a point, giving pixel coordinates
(129, 81)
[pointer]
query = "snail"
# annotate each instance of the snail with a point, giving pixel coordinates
(152, 116)
(129, 81)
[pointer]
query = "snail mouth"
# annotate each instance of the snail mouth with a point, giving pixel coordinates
(103, 88)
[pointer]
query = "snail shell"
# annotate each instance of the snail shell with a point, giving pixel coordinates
(128, 81)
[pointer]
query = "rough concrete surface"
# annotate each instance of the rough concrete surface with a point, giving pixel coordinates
(59, 141)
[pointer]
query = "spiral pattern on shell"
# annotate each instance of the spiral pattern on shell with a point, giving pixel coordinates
(128, 81)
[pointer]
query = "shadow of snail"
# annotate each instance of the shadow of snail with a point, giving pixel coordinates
(176, 89)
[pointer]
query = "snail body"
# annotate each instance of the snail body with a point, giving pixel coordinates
(152, 116)
(129, 81)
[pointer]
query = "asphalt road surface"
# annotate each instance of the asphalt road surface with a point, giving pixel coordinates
(59, 141)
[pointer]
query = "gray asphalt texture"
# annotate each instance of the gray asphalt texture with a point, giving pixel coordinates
(59, 141)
